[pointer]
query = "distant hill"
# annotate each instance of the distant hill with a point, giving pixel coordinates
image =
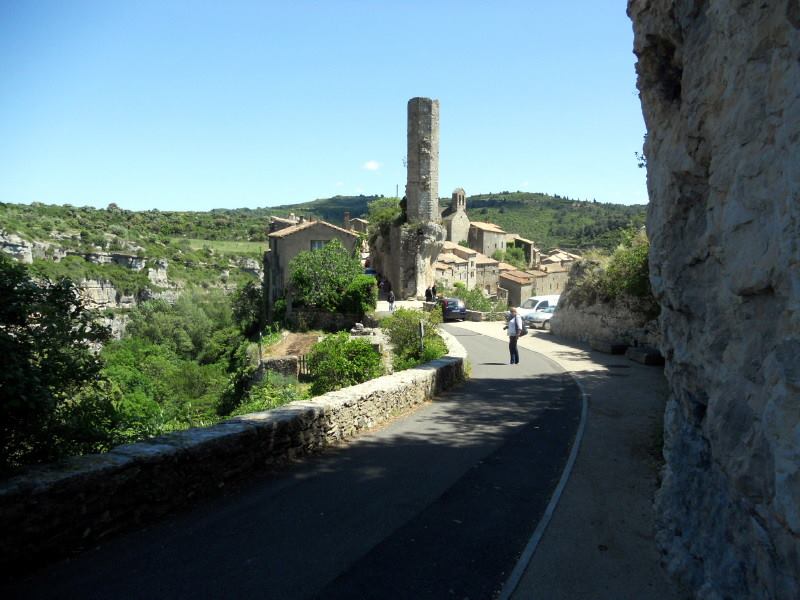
(331, 209)
(547, 220)
(553, 221)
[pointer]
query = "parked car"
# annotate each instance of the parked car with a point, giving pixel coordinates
(540, 319)
(453, 308)
(531, 305)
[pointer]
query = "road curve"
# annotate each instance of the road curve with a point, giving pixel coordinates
(437, 504)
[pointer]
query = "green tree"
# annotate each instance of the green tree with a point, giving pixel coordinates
(45, 339)
(248, 308)
(319, 278)
(360, 296)
(338, 361)
(381, 214)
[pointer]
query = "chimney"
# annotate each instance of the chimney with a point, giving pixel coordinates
(346, 219)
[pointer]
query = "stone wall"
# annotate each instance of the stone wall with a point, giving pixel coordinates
(719, 83)
(54, 509)
(623, 322)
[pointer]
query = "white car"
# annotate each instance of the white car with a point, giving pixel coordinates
(531, 305)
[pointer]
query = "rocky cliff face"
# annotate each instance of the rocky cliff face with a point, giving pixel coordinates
(720, 89)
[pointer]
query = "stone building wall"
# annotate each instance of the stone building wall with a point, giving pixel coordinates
(720, 89)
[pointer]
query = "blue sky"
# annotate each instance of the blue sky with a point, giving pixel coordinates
(204, 104)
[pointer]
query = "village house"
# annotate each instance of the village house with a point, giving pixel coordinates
(518, 284)
(532, 253)
(550, 279)
(288, 242)
(486, 274)
(357, 224)
(559, 257)
(278, 223)
(486, 238)
(467, 254)
(450, 269)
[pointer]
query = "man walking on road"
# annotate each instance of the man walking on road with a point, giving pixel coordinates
(514, 327)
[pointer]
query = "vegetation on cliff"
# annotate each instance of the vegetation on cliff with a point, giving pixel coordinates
(606, 279)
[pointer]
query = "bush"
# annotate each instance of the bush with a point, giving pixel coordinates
(402, 327)
(628, 270)
(272, 392)
(361, 296)
(338, 361)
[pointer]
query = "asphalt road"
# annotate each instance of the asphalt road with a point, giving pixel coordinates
(438, 504)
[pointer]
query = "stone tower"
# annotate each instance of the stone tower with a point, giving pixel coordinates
(422, 183)
(406, 255)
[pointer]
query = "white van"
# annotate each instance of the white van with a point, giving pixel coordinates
(534, 303)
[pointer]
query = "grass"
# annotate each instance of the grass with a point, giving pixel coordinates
(225, 246)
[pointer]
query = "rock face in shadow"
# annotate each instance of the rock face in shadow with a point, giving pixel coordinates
(720, 89)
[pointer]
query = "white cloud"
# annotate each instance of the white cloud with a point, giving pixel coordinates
(339, 183)
(371, 165)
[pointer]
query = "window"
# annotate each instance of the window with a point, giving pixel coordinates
(318, 244)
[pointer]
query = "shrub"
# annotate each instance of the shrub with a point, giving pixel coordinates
(271, 392)
(402, 327)
(338, 361)
(628, 270)
(361, 296)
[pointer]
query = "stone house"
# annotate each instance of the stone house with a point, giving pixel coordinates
(486, 273)
(449, 269)
(532, 253)
(550, 279)
(455, 219)
(486, 238)
(518, 284)
(559, 257)
(288, 242)
(278, 223)
(469, 255)
(357, 224)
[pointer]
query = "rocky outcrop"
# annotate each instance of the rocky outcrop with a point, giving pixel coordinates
(157, 274)
(101, 295)
(719, 84)
(15, 246)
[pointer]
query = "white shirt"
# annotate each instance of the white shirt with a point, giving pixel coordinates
(514, 326)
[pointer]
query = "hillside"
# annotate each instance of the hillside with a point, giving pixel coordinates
(552, 221)
(213, 239)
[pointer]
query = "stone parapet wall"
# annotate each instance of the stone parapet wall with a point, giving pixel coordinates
(719, 88)
(56, 508)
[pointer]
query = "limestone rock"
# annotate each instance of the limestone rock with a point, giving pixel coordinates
(18, 248)
(719, 87)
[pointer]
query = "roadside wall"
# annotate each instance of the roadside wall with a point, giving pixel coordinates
(622, 323)
(56, 508)
(719, 86)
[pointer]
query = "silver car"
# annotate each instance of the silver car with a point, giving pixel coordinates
(540, 319)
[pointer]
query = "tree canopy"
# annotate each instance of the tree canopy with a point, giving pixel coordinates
(46, 336)
(319, 278)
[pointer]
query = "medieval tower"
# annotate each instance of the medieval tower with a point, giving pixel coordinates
(407, 254)
(422, 183)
